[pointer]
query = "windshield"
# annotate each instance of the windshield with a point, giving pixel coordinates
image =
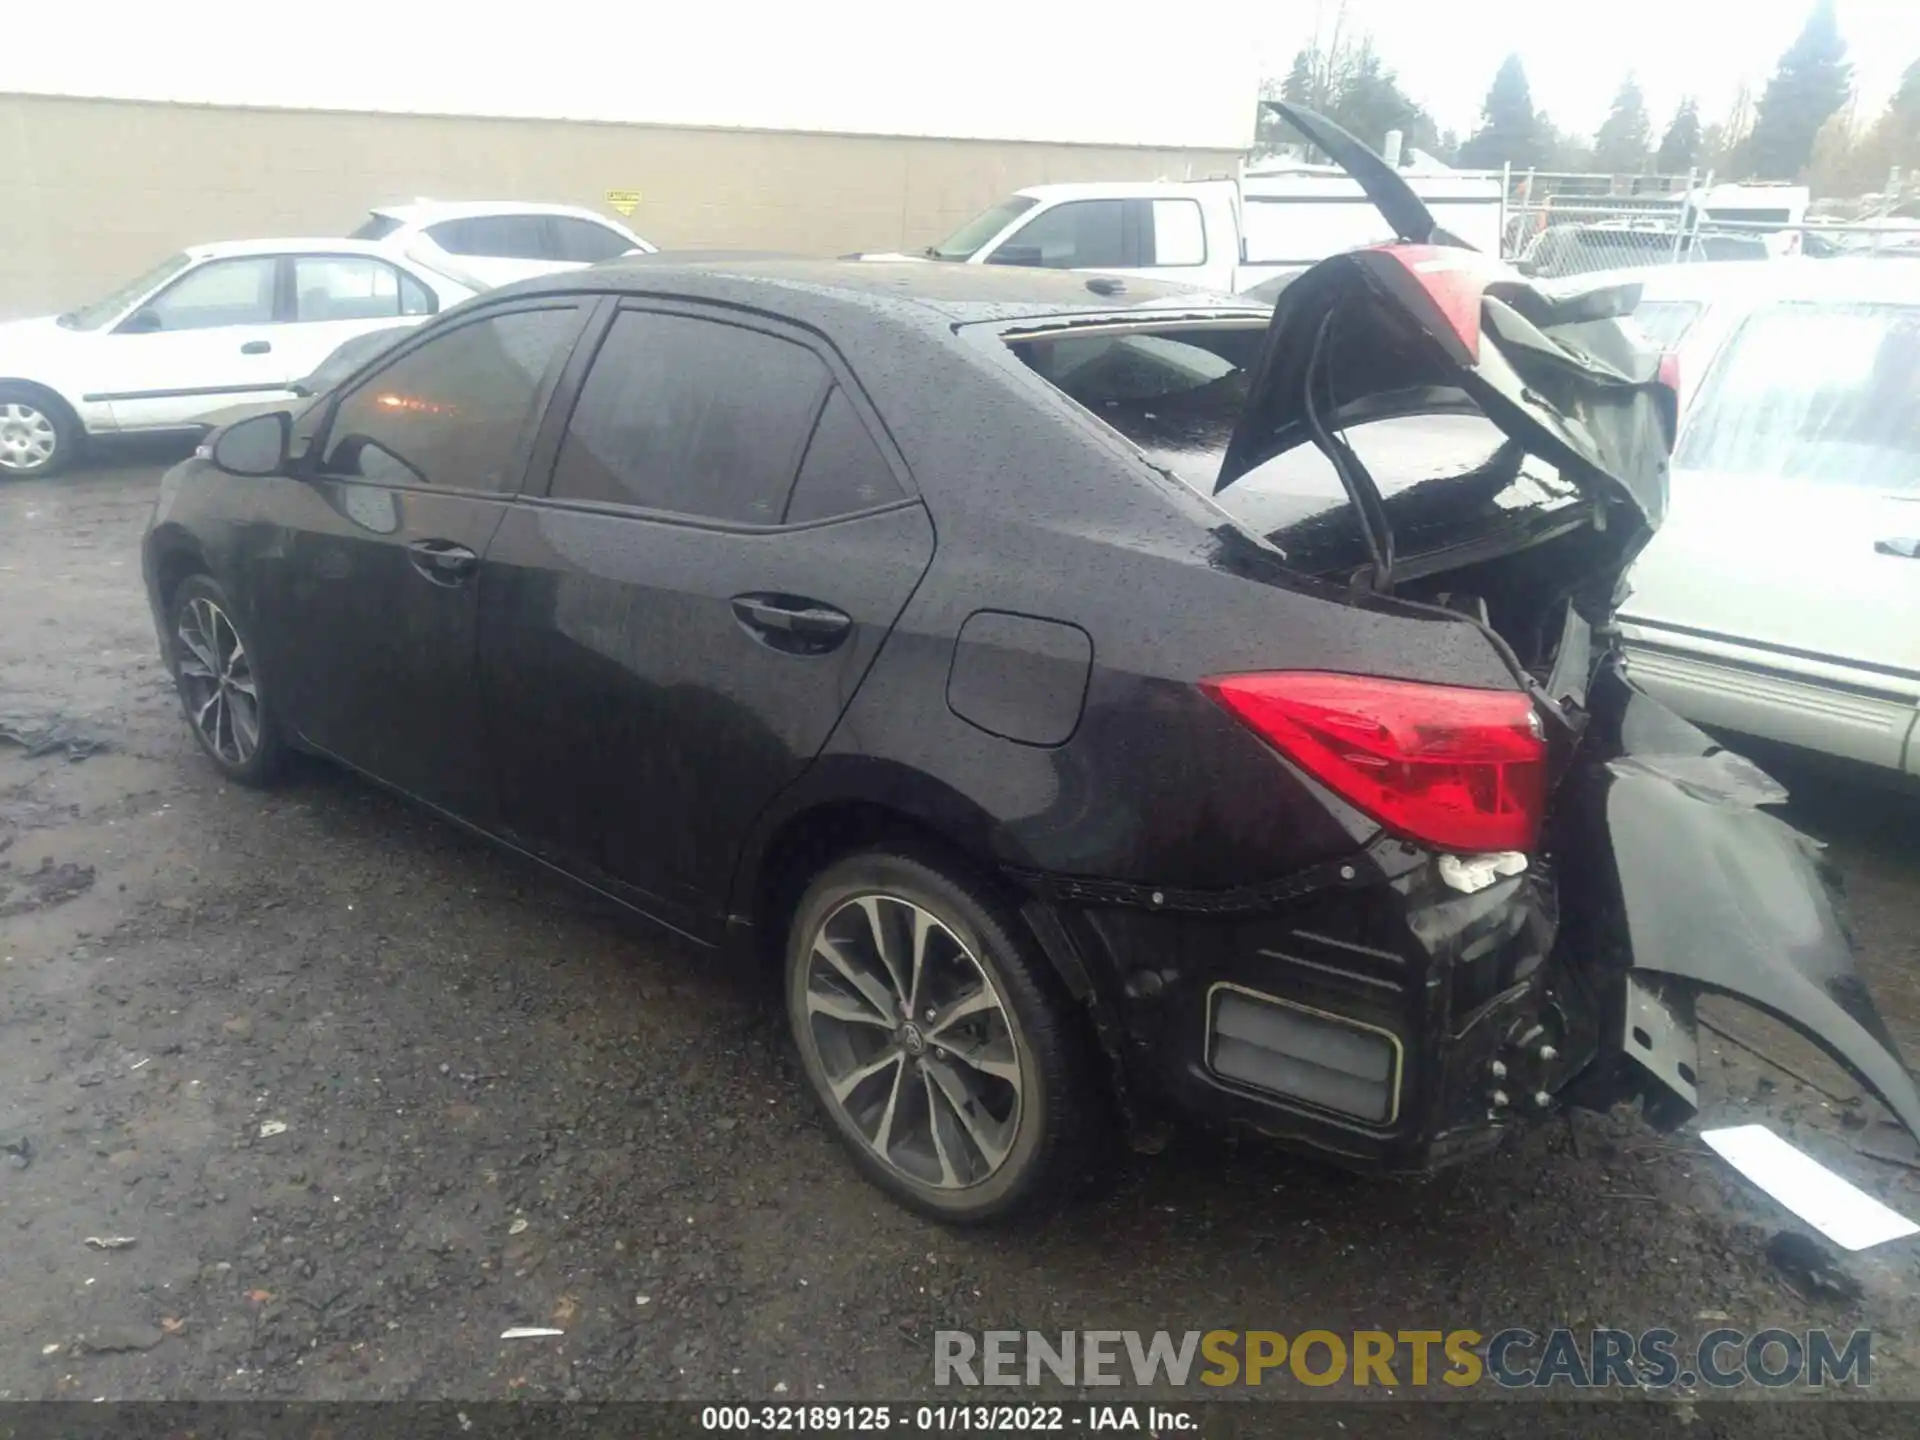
(375, 227)
(1828, 394)
(110, 307)
(982, 228)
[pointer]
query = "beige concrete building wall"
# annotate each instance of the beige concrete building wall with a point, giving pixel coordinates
(97, 190)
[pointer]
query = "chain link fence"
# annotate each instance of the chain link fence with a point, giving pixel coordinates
(1555, 240)
(1571, 224)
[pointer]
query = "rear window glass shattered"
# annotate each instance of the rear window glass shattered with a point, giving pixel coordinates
(1178, 394)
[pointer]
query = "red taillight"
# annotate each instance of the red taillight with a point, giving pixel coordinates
(1462, 770)
(1454, 280)
(1670, 371)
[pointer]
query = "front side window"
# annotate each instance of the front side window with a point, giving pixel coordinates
(1821, 393)
(351, 287)
(459, 411)
(693, 417)
(221, 292)
(1077, 235)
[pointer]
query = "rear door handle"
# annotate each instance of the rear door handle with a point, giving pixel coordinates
(788, 622)
(442, 561)
(256, 347)
(1904, 546)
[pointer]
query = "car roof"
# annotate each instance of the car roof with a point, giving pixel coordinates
(1893, 280)
(933, 291)
(301, 244)
(425, 212)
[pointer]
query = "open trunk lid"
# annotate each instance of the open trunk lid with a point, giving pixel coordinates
(1671, 874)
(1430, 326)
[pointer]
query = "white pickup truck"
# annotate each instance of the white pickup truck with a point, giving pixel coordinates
(1225, 235)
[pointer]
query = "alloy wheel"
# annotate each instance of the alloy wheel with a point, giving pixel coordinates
(27, 437)
(217, 682)
(914, 1041)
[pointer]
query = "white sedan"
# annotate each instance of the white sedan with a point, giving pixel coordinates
(210, 326)
(1781, 597)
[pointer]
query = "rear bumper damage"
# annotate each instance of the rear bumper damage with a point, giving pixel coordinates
(1389, 1022)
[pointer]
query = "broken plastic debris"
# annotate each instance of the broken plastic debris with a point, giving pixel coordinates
(519, 1224)
(110, 1242)
(1837, 1208)
(53, 1349)
(643, 1299)
(270, 1128)
(529, 1332)
(1472, 873)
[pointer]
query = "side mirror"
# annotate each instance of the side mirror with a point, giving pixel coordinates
(141, 322)
(256, 446)
(1017, 255)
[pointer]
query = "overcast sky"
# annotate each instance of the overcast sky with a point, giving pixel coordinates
(1072, 70)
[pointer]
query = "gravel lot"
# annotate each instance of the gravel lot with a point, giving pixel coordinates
(504, 1105)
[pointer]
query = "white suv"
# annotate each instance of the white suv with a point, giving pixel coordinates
(499, 241)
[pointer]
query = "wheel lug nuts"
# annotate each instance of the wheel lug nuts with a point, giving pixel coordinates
(931, 1012)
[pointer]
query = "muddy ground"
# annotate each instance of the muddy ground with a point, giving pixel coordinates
(504, 1105)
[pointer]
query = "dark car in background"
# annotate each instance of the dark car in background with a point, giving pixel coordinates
(1097, 700)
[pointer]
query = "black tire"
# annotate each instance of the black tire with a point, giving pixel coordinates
(1055, 1122)
(30, 421)
(199, 608)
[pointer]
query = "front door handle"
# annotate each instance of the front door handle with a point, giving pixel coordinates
(788, 622)
(256, 347)
(442, 561)
(1906, 547)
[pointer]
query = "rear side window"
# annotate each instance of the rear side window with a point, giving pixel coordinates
(586, 242)
(844, 471)
(496, 237)
(351, 287)
(694, 417)
(1179, 235)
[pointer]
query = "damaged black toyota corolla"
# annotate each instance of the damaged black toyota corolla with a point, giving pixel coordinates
(1100, 698)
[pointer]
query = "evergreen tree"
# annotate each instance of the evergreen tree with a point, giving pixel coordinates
(1510, 130)
(1681, 146)
(1811, 83)
(1626, 137)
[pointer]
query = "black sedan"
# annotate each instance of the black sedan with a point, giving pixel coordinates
(1104, 704)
